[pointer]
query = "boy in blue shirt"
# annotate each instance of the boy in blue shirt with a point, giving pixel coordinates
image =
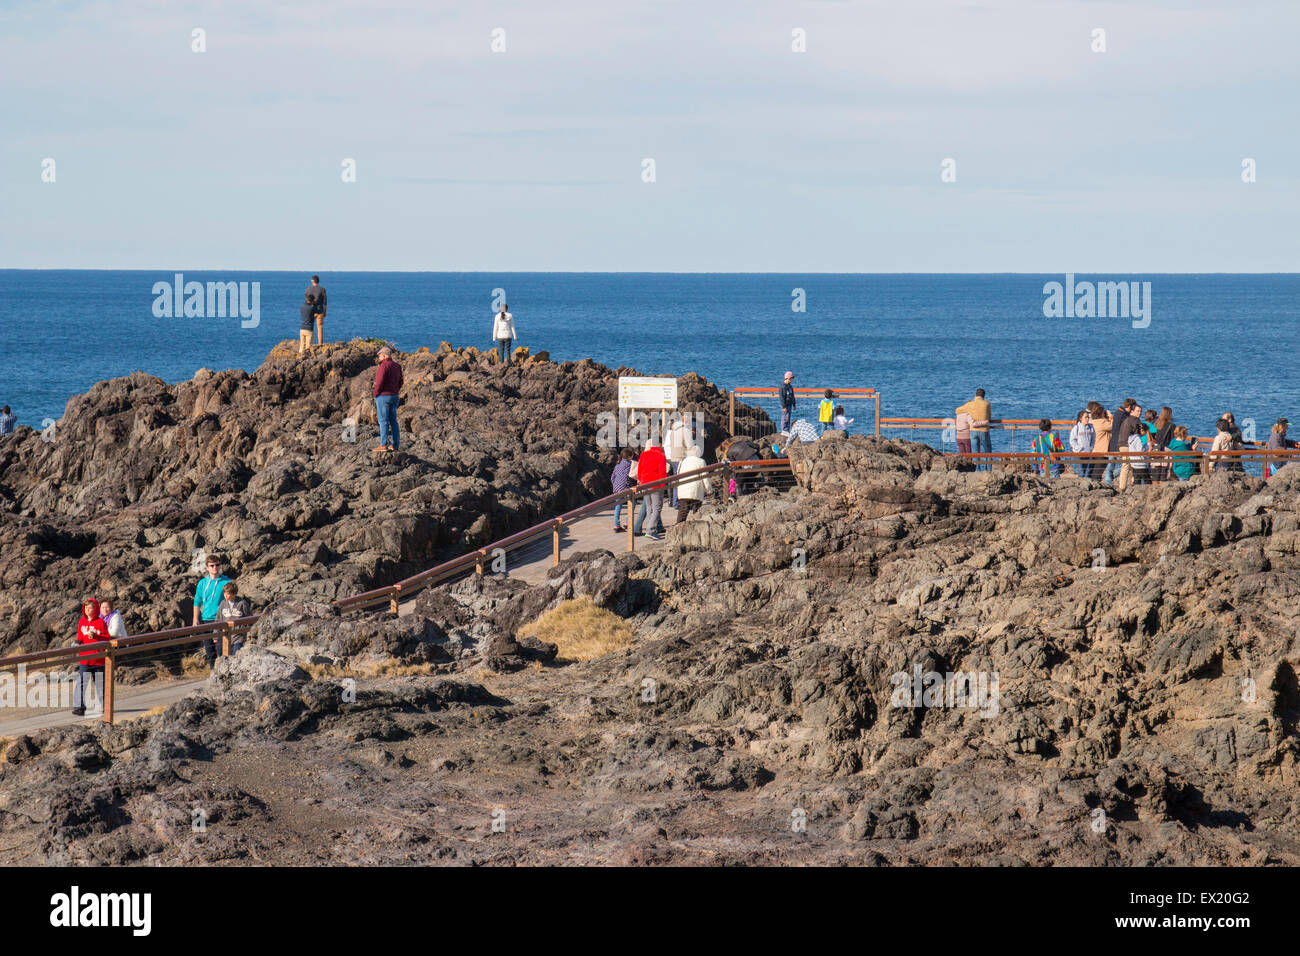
(207, 602)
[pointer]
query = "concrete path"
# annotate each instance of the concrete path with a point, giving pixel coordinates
(128, 702)
(530, 563)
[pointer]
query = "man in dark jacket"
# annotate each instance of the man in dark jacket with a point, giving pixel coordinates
(1121, 427)
(388, 382)
(787, 402)
(316, 292)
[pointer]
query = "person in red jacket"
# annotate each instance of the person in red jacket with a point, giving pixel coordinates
(651, 466)
(388, 382)
(89, 630)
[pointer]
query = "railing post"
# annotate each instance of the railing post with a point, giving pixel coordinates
(731, 412)
(108, 685)
(877, 414)
(395, 601)
(555, 542)
(631, 520)
(225, 642)
(478, 565)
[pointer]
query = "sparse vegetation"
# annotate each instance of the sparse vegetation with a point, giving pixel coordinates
(581, 630)
(368, 670)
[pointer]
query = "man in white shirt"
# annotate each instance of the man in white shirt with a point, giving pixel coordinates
(503, 332)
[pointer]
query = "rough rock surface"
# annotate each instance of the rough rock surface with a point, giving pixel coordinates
(1144, 644)
(141, 474)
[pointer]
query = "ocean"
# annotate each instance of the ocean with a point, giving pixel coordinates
(1211, 343)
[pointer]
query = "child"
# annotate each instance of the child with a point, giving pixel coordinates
(1048, 444)
(826, 412)
(231, 608)
(1184, 468)
(1137, 442)
(306, 312)
(621, 479)
(91, 666)
(840, 422)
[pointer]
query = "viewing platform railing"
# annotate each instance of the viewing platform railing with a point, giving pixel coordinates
(767, 399)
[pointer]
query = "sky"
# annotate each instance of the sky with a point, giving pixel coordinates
(532, 157)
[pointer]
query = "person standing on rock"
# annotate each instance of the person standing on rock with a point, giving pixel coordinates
(690, 494)
(503, 332)
(651, 466)
(207, 602)
(316, 292)
(90, 664)
(787, 402)
(981, 412)
(388, 382)
(7, 422)
(306, 313)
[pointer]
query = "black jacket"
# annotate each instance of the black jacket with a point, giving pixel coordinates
(787, 395)
(1121, 424)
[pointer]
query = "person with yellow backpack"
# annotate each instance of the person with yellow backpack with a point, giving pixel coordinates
(826, 412)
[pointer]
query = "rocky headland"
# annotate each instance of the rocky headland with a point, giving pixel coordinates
(1132, 656)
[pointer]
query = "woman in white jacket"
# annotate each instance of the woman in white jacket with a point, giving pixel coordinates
(503, 332)
(690, 495)
(112, 619)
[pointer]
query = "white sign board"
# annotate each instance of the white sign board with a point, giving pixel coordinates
(647, 392)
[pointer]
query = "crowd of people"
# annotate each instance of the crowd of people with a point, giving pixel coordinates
(1106, 437)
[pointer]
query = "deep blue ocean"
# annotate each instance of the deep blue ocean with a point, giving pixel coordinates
(1214, 343)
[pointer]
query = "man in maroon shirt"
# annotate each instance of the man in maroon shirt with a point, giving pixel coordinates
(388, 382)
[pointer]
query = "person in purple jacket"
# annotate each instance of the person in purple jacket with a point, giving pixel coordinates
(621, 480)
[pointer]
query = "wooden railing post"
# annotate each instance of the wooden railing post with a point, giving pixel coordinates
(877, 414)
(395, 601)
(108, 685)
(731, 412)
(555, 542)
(225, 642)
(478, 565)
(631, 520)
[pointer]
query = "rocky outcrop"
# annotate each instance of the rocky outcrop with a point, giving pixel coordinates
(274, 469)
(896, 662)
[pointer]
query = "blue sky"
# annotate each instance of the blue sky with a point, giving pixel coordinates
(1127, 161)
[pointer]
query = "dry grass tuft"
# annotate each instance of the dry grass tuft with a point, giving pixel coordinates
(581, 630)
(368, 670)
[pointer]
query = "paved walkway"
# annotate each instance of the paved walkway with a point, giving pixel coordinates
(128, 702)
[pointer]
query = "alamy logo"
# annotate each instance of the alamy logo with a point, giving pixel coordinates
(103, 909)
(191, 300)
(976, 690)
(1086, 300)
(48, 690)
